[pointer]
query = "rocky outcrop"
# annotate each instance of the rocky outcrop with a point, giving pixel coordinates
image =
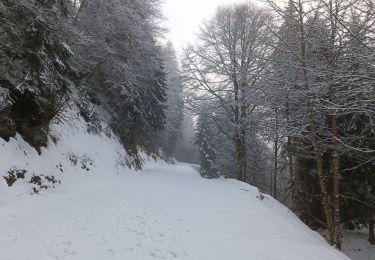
(26, 114)
(7, 124)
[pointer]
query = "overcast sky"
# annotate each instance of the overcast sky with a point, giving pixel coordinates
(185, 17)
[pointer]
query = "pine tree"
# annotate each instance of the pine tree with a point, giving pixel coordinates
(174, 104)
(204, 141)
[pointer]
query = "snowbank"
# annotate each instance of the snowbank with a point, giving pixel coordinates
(72, 156)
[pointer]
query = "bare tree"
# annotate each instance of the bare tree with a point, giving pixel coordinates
(227, 66)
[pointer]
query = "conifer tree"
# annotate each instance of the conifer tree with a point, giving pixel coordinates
(174, 104)
(205, 143)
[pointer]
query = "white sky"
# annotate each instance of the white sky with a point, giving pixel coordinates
(185, 17)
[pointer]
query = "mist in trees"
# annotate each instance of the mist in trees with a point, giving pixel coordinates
(174, 112)
(280, 96)
(223, 74)
(284, 97)
(122, 66)
(106, 57)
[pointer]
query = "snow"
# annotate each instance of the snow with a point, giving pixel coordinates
(75, 157)
(67, 48)
(356, 246)
(5, 101)
(163, 212)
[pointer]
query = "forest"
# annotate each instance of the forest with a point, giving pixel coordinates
(279, 95)
(285, 102)
(98, 54)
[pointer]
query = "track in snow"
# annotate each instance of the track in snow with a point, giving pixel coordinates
(164, 212)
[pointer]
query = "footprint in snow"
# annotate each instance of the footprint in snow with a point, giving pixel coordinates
(153, 254)
(111, 251)
(174, 254)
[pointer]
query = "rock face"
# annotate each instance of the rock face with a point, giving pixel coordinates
(7, 127)
(35, 136)
(35, 72)
(7, 124)
(25, 114)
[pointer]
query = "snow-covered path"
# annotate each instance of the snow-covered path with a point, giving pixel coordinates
(165, 212)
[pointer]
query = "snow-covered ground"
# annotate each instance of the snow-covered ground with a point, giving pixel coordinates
(165, 212)
(356, 246)
(101, 210)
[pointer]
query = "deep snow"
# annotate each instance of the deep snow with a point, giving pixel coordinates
(101, 210)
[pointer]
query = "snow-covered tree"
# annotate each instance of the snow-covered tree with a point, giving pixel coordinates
(35, 71)
(174, 105)
(313, 68)
(205, 143)
(122, 66)
(226, 67)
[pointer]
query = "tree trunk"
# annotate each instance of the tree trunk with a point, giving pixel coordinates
(333, 8)
(237, 135)
(239, 118)
(371, 235)
(313, 132)
(292, 175)
(322, 181)
(275, 166)
(243, 154)
(243, 118)
(271, 186)
(336, 183)
(240, 159)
